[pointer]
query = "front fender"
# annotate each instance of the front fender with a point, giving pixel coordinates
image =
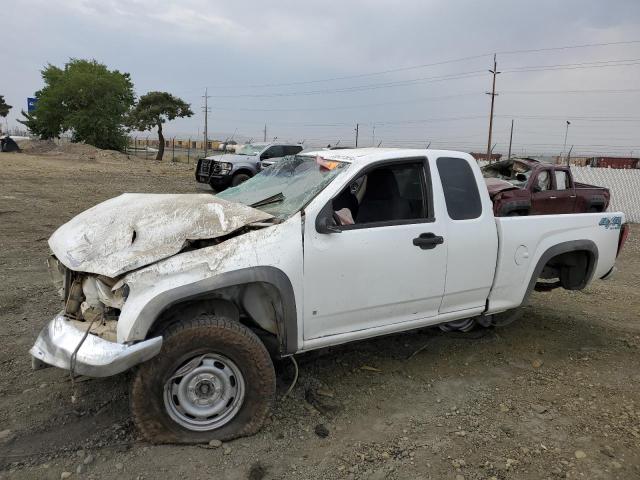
(287, 326)
(270, 255)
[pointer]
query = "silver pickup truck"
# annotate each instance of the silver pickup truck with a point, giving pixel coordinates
(222, 171)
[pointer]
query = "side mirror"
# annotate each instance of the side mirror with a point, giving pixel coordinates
(521, 177)
(326, 224)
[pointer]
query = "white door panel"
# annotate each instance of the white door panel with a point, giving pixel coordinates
(472, 247)
(364, 278)
(471, 239)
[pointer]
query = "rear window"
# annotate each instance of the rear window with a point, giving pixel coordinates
(460, 188)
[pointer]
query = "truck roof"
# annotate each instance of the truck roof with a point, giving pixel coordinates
(372, 154)
(268, 144)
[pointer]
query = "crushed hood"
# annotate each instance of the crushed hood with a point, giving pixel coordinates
(135, 229)
(497, 185)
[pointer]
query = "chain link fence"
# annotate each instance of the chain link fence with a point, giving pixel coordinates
(624, 185)
(183, 151)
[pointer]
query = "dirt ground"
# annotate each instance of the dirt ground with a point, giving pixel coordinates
(556, 395)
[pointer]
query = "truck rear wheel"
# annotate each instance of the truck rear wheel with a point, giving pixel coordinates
(213, 379)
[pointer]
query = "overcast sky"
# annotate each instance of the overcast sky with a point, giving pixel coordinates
(277, 63)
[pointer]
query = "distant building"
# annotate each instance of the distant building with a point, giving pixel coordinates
(614, 162)
(577, 161)
(601, 162)
(483, 156)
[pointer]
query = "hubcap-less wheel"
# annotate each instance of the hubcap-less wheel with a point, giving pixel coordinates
(205, 393)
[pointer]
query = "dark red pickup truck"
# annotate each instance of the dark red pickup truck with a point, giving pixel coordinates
(524, 186)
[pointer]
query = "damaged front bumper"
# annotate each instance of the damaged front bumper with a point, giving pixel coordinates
(95, 358)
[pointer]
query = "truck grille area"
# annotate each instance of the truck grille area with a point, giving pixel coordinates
(209, 167)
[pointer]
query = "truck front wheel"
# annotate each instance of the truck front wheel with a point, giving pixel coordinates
(213, 379)
(239, 178)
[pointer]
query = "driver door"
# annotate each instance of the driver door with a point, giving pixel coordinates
(542, 196)
(383, 269)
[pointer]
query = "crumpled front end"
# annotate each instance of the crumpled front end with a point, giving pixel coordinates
(82, 337)
(94, 253)
(64, 343)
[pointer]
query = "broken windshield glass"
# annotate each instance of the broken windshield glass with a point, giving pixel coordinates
(514, 172)
(285, 187)
(250, 149)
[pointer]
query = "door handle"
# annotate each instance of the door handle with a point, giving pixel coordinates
(427, 241)
(552, 198)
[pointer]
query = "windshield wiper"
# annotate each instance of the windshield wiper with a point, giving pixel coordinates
(278, 197)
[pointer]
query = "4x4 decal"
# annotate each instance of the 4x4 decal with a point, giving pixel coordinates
(611, 223)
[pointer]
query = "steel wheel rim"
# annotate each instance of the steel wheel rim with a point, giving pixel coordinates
(204, 393)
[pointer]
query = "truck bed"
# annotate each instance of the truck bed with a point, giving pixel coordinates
(524, 240)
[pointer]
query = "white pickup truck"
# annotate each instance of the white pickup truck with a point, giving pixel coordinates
(200, 292)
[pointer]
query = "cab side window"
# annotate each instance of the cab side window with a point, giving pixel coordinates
(389, 193)
(543, 181)
(460, 188)
(273, 152)
(292, 149)
(562, 180)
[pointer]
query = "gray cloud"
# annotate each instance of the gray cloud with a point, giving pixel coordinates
(227, 45)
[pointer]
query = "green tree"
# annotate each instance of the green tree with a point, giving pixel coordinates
(4, 108)
(86, 99)
(155, 108)
(4, 111)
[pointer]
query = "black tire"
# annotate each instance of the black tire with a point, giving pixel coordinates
(514, 214)
(594, 210)
(239, 178)
(205, 334)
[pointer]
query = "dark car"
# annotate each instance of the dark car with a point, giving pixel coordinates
(225, 170)
(525, 186)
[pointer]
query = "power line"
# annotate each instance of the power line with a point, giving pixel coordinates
(573, 66)
(359, 75)
(349, 107)
(439, 78)
(433, 64)
(406, 122)
(553, 92)
(430, 99)
(373, 86)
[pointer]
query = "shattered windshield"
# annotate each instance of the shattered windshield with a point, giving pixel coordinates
(516, 173)
(250, 149)
(287, 186)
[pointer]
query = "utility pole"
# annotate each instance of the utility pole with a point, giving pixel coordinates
(264, 137)
(357, 128)
(493, 94)
(373, 135)
(206, 121)
(566, 132)
(510, 140)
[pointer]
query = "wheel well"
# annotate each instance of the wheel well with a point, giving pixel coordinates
(243, 170)
(570, 268)
(571, 263)
(257, 305)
